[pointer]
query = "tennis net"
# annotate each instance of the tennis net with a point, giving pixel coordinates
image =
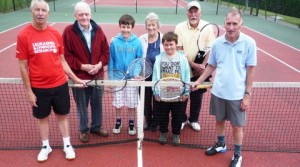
(272, 120)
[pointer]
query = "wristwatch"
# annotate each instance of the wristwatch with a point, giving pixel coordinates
(248, 93)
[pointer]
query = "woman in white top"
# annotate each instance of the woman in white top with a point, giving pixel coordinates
(152, 46)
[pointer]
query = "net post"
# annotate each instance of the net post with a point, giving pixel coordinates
(94, 5)
(140, 118)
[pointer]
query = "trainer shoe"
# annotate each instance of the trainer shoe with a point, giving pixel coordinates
(131, 130)
(43, 155)
(195, 126)
(176, 140)
(163, 138)
(146, 127)
(102, 132)
(183, 124)
(70, 153)
(216, 149)
(154, 128)
(83, 137)
(117, 128)
(236, 161)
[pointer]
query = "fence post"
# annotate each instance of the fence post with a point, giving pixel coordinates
(176, 6)
(54, 5)
(14, 5)
(217, 7)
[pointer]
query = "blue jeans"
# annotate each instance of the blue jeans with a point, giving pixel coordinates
(82, 98)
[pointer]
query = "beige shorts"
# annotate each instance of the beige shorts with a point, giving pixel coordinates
(126, 97)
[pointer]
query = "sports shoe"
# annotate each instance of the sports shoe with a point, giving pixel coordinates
(216, 149)
(70, 153)
(163, 138)
(43, 155)
(154, 128)
(131, 130)
(83, 137)
(117, 128)
(102, 132)
(146, 127)
(183, 124)
(236, 161)
(176, 140)
(195, 126)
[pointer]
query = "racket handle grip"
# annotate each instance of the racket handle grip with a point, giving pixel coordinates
(76, 86)
(204, 86)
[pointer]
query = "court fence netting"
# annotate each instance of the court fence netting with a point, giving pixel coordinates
(272, 120)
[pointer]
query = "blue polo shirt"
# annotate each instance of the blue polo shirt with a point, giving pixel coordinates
(231, 60)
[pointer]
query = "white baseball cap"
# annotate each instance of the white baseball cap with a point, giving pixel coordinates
(193, 4)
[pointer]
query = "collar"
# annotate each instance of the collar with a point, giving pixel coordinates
(240, 38)
(82, 29)
(191, 28)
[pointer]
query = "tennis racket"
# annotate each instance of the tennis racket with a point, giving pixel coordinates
(210, 31)
(210, 28)
(139, 69)
(115, 83)
(172, 89)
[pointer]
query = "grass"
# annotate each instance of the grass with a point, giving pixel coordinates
(284, 18)
(7, 5)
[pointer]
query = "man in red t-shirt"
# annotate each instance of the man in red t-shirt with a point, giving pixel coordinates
(43, 68)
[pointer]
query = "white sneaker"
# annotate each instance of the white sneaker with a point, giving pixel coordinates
(183, 124)
(236, 161)
(195, 126)
(117, 129)
(43, 155)
(70, 153)
(131, 131)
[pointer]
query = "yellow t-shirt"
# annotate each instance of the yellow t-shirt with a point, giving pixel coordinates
(188, 37)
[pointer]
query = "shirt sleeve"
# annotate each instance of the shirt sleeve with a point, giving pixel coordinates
(21, 49)
(251, 59)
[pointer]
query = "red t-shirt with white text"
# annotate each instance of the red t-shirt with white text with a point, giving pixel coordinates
(42, 49)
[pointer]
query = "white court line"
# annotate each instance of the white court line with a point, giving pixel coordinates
(2, 50)
(178, 4)
(13, 27)
(284, 63)
(272, 56)
(8, 47)
(273, 39)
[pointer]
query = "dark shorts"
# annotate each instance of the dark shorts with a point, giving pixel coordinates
(57, 98)
(229, 110)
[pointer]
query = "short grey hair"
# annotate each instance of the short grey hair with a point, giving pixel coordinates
(153, 17)
(235, 11)
(33, 2)
(81, 5)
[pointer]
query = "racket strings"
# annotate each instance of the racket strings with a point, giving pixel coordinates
(140, 68)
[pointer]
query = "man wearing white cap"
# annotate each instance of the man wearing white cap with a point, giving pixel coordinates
(190, 41)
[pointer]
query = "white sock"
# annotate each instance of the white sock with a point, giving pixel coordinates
(46, 143)
(66, 141)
